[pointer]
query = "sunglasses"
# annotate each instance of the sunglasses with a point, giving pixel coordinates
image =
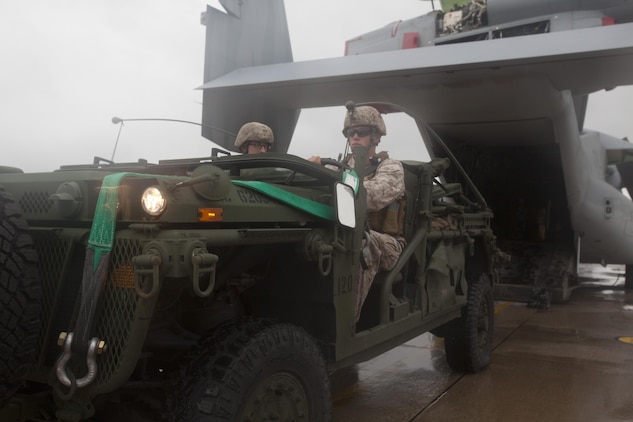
(361, 132)
(259, 145)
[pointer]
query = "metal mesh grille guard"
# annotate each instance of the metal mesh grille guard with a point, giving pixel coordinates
(60, 273)
(118, 307)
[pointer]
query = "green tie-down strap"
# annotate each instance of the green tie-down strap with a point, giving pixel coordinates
(289, 198)
(102, 231)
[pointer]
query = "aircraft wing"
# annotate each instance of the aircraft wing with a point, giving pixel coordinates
(488, 76)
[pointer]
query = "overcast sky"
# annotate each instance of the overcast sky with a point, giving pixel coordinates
(69, 66)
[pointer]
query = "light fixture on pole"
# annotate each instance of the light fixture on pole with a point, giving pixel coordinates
(117, 120)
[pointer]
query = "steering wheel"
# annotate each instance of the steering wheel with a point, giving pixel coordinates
(332, 162)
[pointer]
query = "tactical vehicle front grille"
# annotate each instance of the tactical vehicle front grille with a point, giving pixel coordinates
(54, 253)
(118, 308)
(35, 203)
(60, 265)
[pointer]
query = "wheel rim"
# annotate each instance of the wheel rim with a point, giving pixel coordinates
(280, 397)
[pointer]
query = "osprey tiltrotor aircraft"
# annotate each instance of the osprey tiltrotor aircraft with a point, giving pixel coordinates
(504, 83)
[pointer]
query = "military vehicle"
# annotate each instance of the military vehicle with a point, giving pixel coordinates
(222, 288)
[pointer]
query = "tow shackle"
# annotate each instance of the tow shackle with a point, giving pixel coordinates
(91, 361)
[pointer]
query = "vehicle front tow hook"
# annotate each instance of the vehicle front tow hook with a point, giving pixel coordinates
(95, 347)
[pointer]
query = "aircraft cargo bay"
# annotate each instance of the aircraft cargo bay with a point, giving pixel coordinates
(570, 362)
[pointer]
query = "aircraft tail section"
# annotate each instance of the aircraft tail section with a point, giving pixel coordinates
(249, 33)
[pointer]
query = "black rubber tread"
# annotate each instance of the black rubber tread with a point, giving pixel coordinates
(20, 293)
(216, 383)
(468, 340)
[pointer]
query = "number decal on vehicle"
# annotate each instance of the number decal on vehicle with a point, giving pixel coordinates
(250, 197)
(344, 285)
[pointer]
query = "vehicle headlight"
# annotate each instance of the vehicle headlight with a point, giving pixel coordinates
(153, 201)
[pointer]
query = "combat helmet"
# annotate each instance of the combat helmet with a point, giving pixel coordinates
(363, 116)
(254, 131)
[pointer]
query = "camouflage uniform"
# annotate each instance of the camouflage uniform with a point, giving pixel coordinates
(385, 187)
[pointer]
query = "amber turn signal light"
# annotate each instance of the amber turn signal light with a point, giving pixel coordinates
(209, 214)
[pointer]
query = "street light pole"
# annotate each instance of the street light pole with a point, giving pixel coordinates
(117, 120)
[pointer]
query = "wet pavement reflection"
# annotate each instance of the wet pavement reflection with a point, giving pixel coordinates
(571, 362)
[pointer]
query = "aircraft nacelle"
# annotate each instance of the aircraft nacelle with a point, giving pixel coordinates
(600, 212)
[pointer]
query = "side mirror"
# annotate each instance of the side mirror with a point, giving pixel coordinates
(345, 206)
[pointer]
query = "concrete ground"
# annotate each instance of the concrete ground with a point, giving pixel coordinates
(571, 362)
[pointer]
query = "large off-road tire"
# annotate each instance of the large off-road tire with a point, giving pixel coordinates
(20, 293)
(468, 340)
(255, 371)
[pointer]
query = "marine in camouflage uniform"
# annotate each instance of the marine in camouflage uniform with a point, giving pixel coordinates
(384, 242)
(384, 183)
(253, 138)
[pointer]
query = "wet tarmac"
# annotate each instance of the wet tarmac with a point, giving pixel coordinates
(571, 362)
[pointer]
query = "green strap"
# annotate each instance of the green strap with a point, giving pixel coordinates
(102, 231)
(289, 198)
